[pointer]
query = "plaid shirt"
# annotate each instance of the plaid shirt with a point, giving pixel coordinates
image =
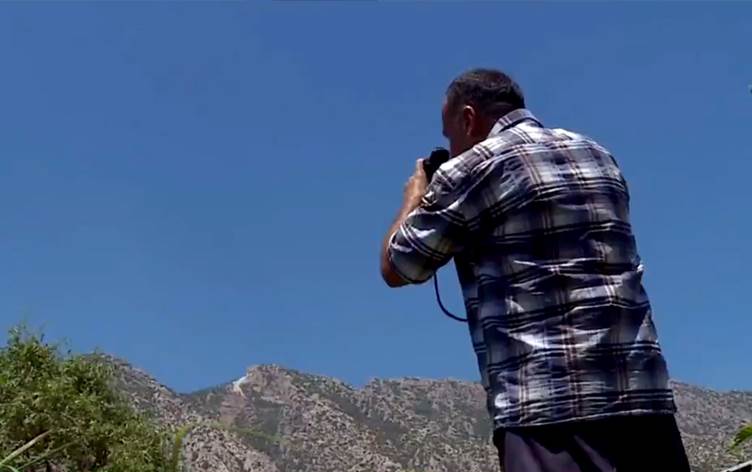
(537, 221)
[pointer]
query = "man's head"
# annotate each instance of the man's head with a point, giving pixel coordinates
(474, 102)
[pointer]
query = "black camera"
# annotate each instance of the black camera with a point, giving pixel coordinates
(438, 156)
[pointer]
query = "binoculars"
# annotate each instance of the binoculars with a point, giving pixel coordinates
(438, 156)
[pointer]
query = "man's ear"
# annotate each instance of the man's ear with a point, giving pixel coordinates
(469, 120)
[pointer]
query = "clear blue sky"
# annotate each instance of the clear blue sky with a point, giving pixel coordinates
(201, 187)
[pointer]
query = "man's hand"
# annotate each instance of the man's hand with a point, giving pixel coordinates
(415, 189)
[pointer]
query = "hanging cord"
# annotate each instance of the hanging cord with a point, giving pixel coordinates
(439, 156)
(441, 305)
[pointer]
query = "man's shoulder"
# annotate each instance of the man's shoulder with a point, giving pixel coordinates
(488, 157)
(519, 136)
(490, 152)
(454, 172)
(578, 138)
(527, 142)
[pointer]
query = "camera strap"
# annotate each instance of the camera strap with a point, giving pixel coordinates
(441, 305)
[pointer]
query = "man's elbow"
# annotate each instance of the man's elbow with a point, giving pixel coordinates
(393, 280)
(391, 277)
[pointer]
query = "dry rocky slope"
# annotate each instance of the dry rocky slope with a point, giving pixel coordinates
(279, 420)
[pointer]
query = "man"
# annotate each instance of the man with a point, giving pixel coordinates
(537, 222)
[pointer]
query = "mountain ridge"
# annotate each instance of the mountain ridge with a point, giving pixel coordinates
(278, 419)
(361, 385)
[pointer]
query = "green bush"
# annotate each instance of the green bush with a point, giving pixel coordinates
(59, 412)
(744, 435)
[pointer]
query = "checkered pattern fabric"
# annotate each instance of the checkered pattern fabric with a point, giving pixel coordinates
(537, 222)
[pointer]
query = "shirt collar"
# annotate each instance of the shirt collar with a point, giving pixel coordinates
(512, 118)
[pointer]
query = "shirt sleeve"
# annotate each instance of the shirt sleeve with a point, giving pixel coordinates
(430, 236)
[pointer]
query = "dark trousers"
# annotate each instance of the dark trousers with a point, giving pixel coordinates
(647, 443)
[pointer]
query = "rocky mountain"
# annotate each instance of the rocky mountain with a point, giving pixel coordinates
(274, 419)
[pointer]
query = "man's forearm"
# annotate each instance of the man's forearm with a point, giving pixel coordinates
(391, 277)
(413, 194)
